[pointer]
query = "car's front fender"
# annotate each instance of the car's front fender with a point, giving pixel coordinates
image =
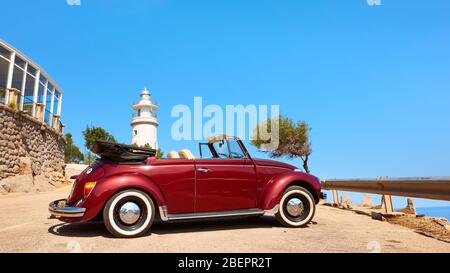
(274, 189)
(108, 186)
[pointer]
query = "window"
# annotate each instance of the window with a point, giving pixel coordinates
(224, 149)
(42, 79)
(55, 103)
(41, 93)
(221, 148)
(31, 70)
(17, 78)
(48, 118)
(4, 68)
(235, 149)
(50, 88)
(29, 87)
(5, 53)
(205, 151)
(19, 62)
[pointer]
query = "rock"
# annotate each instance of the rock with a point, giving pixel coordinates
(18, 184)
(42, 184)
(346, 203)
(378, 216)
(440, 221)
(367, 201)
(74, 169)
(25, 165)
(410, 209)
(3, 191)
(57, 178)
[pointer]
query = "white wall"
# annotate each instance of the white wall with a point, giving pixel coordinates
(146, 133)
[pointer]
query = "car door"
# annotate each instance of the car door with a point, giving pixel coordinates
(225, 184)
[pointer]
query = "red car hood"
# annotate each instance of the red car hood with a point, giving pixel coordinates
(272, 163)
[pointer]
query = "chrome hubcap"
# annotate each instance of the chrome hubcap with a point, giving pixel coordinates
(295, 207)
(129, 213)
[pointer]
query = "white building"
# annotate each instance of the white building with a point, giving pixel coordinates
(24, 84)
(145, 123)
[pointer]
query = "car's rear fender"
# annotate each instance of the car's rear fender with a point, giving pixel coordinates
(107, 187)
(273, 191)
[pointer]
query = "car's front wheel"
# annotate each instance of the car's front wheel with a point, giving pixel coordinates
(297, 207)
(129, 214)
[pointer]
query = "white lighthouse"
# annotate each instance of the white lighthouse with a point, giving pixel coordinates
(144, 123)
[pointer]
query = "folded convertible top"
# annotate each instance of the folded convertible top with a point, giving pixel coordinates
(120, 153)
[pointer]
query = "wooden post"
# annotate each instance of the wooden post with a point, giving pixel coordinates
(387, 204)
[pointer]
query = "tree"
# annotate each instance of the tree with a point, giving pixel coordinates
(91, 135)
(159, 153)
(72, 153)
(294, 140)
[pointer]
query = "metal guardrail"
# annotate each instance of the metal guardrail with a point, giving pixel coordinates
(437, 188)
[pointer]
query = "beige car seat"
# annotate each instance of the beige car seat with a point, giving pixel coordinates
(186, 154)
(173, 155)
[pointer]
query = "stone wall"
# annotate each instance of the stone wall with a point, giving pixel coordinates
(29, 150)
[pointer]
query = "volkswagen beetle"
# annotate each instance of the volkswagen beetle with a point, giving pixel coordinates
(127, 187)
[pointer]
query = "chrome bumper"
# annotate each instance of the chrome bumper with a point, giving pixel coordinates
(58, 209)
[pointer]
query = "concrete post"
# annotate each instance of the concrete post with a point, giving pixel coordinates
(36, 91)
(40, 111)
(13, 97)
(335, 197)
(387, 204)
(10, 74)
(56, 120)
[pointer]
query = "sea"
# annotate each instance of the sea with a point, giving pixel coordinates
(435, 212)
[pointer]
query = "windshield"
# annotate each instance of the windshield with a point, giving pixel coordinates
(223, 149)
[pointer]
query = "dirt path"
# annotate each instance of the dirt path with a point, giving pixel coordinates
(24, 227)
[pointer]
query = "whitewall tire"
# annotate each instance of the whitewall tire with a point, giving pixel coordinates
(297, 207)
(129, 214)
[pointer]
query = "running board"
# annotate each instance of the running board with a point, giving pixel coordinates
(207, 215)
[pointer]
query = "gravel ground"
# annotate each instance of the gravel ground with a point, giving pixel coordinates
(25, 227)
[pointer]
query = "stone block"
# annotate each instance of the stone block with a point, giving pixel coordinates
(42, 183)
(25, 165)
(18, 184)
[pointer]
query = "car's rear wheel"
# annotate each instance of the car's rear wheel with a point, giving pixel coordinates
(129, 214)
(297, 207)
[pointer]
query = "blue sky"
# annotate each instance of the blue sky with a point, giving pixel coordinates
(372, 81)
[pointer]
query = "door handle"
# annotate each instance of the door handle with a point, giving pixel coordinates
(202, 170)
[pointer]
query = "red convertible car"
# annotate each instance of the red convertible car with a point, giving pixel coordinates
(127, 187)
